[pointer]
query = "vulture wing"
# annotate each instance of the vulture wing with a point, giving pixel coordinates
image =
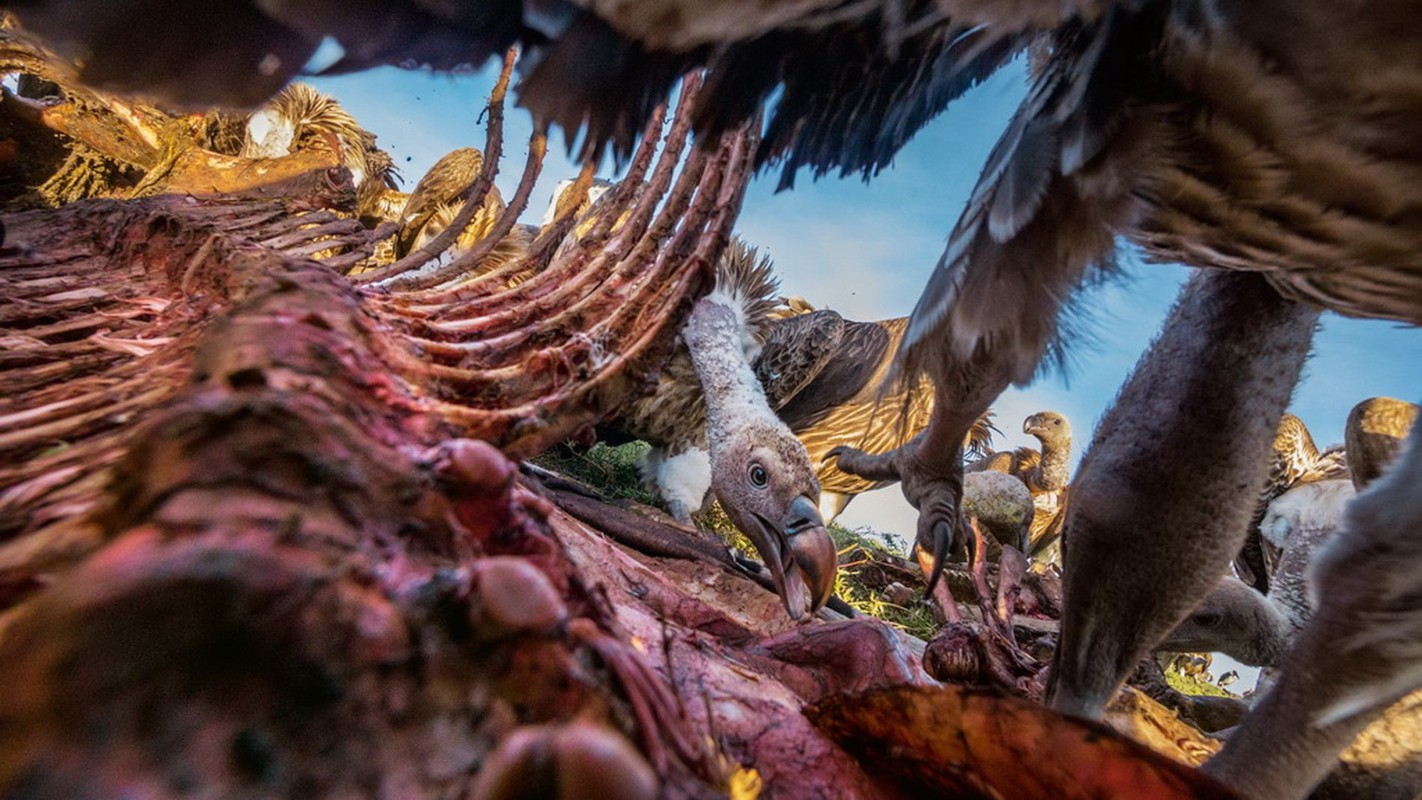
(853, 81)
(796, 350)
(1044, 207)
(816, 362)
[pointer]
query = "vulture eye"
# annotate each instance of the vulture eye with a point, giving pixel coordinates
(1207, 619)
(758, 476)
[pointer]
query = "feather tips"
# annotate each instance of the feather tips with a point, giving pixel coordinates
(1041, 216)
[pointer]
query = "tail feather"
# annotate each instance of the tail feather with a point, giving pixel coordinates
(979, 440)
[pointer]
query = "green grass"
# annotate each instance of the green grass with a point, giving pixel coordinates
(1190, 684)
(614, 471)
(855, 548)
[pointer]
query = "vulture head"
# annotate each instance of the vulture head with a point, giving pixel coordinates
(1236, 620)
(760, 472)
(1050, 427)
(763, 479)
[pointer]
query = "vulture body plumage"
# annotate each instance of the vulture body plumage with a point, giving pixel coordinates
(1294, 460)
(1374, 436)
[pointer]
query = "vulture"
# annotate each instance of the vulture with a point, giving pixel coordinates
(1254, 627)
(1294, 460)
(1044, 470)
(1273, 144)
(512, 246)
(713, 432)
(599, 187)
(302, 118)
(1257, 629)
(438, 193)
(1045, 473)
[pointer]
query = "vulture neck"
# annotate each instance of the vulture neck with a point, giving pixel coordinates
(1054, 471)
(717, 339)
(1269, 639)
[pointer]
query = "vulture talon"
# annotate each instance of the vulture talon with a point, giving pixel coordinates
(942, 546)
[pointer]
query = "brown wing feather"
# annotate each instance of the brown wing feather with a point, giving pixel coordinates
(979, 441)
(796, 349)
(1043, 210)
(819, 361)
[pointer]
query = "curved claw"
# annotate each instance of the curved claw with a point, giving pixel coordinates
(942, 545)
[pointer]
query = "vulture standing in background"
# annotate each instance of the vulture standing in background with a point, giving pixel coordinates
(1385, 761)
(1295, 460)
(1274, 143)
(438, 194)
(1045, 472)
(712, 432)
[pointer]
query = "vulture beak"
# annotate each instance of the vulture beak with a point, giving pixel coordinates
(800, 555)
(1031, 425)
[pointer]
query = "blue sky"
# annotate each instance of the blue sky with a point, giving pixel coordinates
(867, 249)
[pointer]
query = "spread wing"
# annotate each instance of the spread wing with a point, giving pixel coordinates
(820, 361)
(1042, 213)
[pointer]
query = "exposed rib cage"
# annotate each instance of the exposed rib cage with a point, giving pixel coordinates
(105, 305)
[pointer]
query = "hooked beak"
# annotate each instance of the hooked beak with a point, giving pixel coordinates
(800, 555)
(1032, 425)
